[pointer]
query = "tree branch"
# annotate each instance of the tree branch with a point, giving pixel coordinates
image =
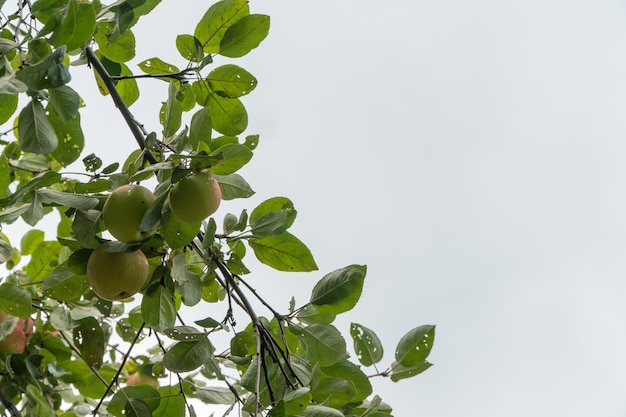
(119, 103)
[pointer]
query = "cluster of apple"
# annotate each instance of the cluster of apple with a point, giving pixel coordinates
(15, 342)
(119, 275)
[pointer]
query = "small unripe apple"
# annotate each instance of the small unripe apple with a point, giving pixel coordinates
(138, 378)
(195, 197)
(117, 275)
(15, 342)
(123, 211)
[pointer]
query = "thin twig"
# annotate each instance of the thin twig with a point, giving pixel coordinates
(119, 370)
(119, 103)
(180, 75)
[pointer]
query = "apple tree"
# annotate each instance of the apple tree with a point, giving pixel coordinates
(92, 320)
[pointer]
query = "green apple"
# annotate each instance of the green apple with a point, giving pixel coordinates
(195, 197)
(138, 378)
(123, 211)
(117, 275)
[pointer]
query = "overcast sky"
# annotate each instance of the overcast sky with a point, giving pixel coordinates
(472, 154)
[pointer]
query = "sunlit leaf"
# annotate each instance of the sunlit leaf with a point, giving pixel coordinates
(229, 115)
(245, 35)
(283, 252)
(367, 345)
(220, 16)
(415, 346)
(189, 48)
(231, 81)
(340, 290)
(71, 139)
(399, 372)
(272, 217)
(324, 344)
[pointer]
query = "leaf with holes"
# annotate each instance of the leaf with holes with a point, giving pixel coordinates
(367, 345)
(415, 346)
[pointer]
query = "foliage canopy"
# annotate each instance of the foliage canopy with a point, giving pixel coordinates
(83, 350)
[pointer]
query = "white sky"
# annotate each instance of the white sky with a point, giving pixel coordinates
(472, 155)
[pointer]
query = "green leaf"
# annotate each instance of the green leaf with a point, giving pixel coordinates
(11, 86)
(189, 48)
(157, 67)
(35, 212)
(415, 346)
(231, 81)
(345, 369)
(220, 16)
(146, 393)
(208, 323)
(172, 403)
(185, 333)
(367, 345)
(49, 73)
(35, 133)
(234, 158)
(64, 285)
(188, 284)
(41, 180)
(15, 300)
(85, 226)
(78, 201)
(233, 186)
(120, 48)
(201, 127)
(310, 315)
(13, 212)
(214, 395)
(44, 260)
(399, 372)
(71, 139)
(283, 252)
(340, 290)
(127, 88)
(334, 392)
(136, 407)
(324, 344)
(187, 356)
(157, 307)
(243, 344)
(37, 404)
(6, 251)
(30, 240)
(229, 116)
(76, 25)
(245, 35)
(320, 411)
(65, 102)
(8, 105)
(153, 214)
(89, 339)
(272, 217)
(172, 110)
(297, 400)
